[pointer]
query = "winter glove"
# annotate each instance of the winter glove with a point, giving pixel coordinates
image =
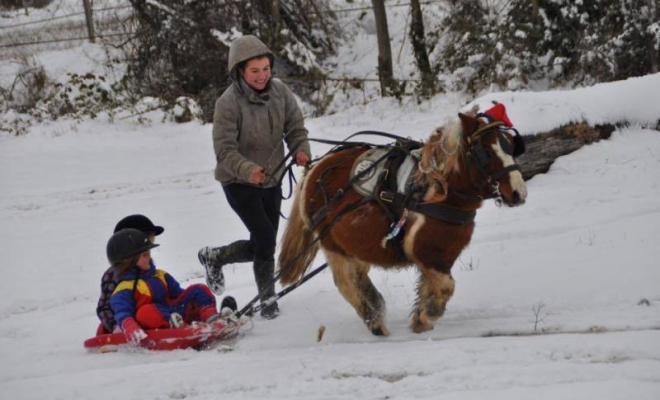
(134, 334)
(176, 320)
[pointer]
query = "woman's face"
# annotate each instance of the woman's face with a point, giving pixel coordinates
(257, 73)
(144, 260)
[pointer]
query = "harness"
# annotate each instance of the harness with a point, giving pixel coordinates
(398, 194)
(394, 190)
(384, 174)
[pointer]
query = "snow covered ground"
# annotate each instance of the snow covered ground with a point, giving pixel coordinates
(557, 299)
(578, 262)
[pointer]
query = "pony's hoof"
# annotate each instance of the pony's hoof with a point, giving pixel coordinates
(380, 330)
(418, 326)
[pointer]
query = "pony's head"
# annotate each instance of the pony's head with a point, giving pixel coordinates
(489, 149)
(474, 154)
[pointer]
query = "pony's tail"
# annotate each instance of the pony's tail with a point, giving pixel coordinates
(298, 246)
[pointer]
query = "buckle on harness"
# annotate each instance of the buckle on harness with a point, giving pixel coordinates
(387, 197)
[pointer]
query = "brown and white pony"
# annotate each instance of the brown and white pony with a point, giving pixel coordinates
(460, 166)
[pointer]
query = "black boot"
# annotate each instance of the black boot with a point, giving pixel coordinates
(264, 272)
(214, 258)
(230, 303)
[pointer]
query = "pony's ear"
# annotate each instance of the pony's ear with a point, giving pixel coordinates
(470, 124)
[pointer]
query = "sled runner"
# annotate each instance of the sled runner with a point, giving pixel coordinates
(195, 336)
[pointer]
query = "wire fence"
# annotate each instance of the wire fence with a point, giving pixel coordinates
(41, 21)
(68, 27)
(106, 35)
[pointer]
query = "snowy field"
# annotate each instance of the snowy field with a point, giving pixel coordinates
(557, 299)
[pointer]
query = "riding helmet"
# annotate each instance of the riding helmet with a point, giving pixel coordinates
(139, 221)
(127, 243)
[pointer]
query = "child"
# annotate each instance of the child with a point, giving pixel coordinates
(109, 279)
(146, 297)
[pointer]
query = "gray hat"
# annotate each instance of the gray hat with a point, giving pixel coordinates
(245, 48)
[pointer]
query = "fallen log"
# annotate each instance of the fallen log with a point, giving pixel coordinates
(543, 148)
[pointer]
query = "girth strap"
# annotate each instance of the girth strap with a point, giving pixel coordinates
(434, 210)
(444, 213)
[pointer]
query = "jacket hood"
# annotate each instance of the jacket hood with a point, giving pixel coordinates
(246, 48)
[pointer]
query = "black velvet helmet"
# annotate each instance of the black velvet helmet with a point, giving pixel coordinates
(139, 222)
(127, 243)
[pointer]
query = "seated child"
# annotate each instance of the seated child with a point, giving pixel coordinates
(150, 298)
(109, 279)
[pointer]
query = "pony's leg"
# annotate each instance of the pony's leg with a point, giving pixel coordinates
(352, 279)
(434, 290)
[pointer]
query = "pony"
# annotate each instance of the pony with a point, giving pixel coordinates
(457, 168)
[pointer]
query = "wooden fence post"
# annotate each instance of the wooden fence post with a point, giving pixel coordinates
(90, 21)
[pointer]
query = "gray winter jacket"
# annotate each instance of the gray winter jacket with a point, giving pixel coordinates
(249, 127)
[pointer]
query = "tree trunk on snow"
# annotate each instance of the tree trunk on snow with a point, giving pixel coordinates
(277, 19)
(543, 148)
(89, 19)
(535, 9)
(417, 39)
(653, 52)
(385, 74)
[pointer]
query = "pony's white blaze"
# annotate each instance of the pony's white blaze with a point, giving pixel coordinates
(515, 177)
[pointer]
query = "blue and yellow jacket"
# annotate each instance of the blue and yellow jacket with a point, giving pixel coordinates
(153, 286)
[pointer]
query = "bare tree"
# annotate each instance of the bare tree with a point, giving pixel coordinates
(417, 38)
(651, 47)
(539, 314)
(385, 74)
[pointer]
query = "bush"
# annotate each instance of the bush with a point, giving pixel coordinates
(181, 48)
(559, 42)
(37, 98)
(80, 96)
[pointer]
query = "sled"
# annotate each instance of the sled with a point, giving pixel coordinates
(196, 336)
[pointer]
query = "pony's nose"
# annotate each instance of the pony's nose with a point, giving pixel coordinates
(517, 198)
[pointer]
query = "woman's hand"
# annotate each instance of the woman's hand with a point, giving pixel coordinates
(301, 159)
(258, 175)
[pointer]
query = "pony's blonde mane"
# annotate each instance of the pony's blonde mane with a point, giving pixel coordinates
(441, 154)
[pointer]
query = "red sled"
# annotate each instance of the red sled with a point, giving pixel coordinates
(197, 335)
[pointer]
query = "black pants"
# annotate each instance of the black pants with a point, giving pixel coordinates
(259, 209)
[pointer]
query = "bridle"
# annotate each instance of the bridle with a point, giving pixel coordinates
(478, 154)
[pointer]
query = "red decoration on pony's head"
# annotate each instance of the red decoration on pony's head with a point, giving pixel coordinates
(498, 113)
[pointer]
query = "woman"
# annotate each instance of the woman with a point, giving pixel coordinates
(252, 119)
